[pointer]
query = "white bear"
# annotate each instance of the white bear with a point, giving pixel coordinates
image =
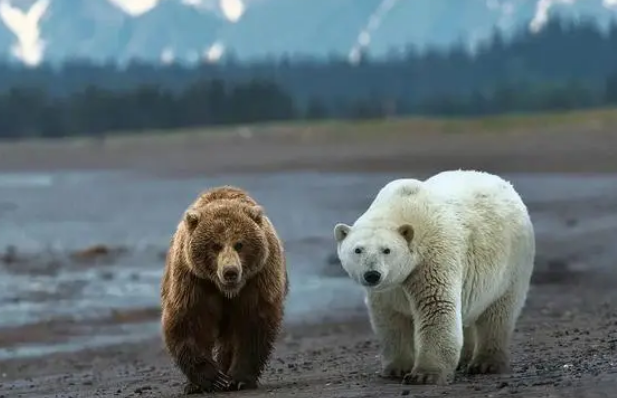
(447, 264)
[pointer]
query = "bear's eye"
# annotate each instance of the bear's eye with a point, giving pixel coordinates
(386, 251)
(358, 250)
(238, 246)
(216, 247)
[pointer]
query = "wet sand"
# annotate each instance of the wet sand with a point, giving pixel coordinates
(566, 341)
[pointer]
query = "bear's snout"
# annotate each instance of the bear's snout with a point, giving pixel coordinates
(230, 268)
(231, 274)
(371, 278)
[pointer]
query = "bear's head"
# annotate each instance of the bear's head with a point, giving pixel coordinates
(378, 257)
(226, 244)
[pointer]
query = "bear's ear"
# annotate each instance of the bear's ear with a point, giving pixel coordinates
(191, 219)
(341, 231)
(256, 212)
(406, 231)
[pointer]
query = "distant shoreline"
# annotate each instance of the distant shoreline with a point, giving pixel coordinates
(583, 141)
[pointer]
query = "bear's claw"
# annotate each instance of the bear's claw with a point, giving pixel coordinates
(221, 382)
(425, 378)
(241, 385)
(392, 372)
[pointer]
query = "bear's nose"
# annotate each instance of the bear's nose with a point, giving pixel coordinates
(231, 275)
(372, 277)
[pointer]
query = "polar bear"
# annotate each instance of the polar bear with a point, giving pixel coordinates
(446, 263)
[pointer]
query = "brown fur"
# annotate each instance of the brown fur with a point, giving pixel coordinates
(201, 315)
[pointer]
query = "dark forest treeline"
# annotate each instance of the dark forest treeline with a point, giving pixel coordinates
(30, 113)
(26, 112)
(565, 66)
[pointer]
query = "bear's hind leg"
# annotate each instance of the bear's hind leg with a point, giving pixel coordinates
(469, 346)
(494, 330)
(395, 333)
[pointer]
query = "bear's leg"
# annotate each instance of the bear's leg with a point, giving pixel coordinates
(255, 332)
(395, 334)
(225, 353)
(225, 343)
(438, 333)
(494, 331)
(469, 345)
(190, 342)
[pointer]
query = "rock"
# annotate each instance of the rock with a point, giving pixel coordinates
(10, 255)
(97, 252)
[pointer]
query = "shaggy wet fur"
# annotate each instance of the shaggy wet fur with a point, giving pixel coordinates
(223, 292)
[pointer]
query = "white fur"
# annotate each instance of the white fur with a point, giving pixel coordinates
(453, 293)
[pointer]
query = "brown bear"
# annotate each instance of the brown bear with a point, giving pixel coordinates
(223, 291)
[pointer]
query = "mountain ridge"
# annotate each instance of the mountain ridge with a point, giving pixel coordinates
(188, 31)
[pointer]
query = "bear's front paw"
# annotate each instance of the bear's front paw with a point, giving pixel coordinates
(488, 365)
(191, 388)
(395, 371)
(426, 377)
(238, 385)
(220, 382)
(206, 388)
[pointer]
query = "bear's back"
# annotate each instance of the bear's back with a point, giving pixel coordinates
(459, 202)
(223, 193)
(389, 199)
(489, 212)
(462, 203)
(464, 184)
(477, 196)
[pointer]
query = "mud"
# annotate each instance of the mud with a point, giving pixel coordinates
(79, 287)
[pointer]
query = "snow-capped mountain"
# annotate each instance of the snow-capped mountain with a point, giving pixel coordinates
(190, 30)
